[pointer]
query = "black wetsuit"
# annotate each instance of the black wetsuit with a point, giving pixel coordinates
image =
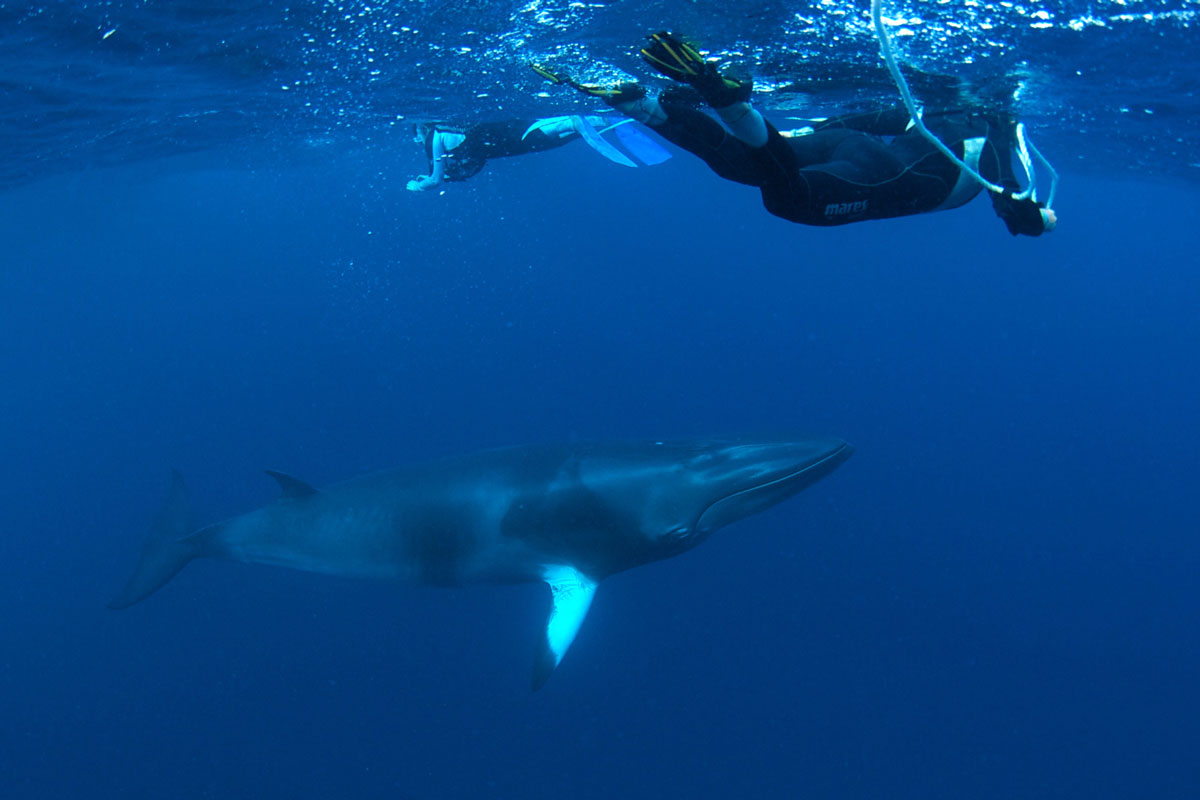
(488, 140)
(859, 167)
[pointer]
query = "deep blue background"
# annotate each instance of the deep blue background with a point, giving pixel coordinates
(996, 597)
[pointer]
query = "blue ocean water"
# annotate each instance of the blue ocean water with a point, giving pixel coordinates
(210, 263)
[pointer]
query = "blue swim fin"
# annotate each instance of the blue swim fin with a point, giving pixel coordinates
(643, 148)
(597, 143)
(551, 126)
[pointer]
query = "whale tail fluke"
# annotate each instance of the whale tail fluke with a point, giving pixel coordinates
(167, 548)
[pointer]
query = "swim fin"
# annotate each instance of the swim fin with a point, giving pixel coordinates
(679, 60)
(552, 126)
(621, 93)
(641, 146)
(598, 143)
(673, 57)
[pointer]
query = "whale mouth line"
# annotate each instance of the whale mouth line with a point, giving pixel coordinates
(830, 456)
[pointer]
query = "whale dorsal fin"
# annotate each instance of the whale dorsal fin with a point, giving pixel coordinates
(572, 596)
(293, 488)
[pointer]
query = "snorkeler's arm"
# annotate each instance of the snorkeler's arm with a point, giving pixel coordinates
(1024, 217)
(438, 175)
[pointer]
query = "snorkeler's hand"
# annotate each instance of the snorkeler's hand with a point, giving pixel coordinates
(1049, 220)
(1023, 216)
(421, 183)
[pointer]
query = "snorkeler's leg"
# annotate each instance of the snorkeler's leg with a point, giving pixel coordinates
(563, 127)
(728, 97)
(629, 98)
(682, 124)
(644, 109)
(744, 122)
(708, 140)
(508, 138)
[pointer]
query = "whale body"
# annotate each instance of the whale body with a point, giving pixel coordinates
(568, 515)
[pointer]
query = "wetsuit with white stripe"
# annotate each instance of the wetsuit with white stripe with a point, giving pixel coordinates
(852, 168)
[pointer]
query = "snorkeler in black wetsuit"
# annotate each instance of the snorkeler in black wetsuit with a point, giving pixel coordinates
(849, 169)
(458, 153)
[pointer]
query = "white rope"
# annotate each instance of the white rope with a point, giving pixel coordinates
(1023, 145)
(1045, 165)
(885, 46)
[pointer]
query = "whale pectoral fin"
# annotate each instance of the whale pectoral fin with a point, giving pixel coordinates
(572, 596)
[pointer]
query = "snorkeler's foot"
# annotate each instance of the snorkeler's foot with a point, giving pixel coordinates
(614, 96)
(670, 55)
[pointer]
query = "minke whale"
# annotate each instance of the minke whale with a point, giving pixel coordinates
(567, 515)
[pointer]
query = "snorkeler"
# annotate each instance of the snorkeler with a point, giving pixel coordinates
(834, 172)
(457, 153)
